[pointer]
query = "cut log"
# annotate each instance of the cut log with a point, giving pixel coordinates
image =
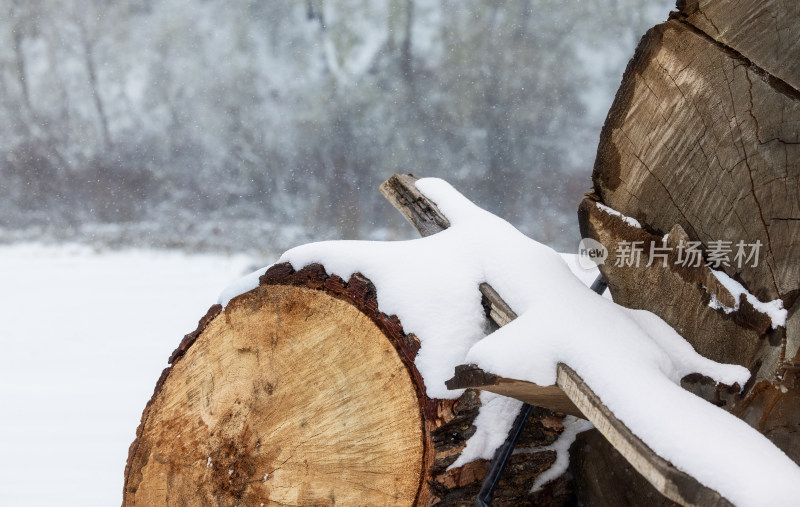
(700, 137)
(242, 414)
(570, 394)
(702, 142)
(302, 392)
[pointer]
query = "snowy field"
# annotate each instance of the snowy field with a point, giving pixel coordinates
(84, 338)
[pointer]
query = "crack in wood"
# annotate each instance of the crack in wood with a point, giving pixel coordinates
(760, 212)
(777, 84)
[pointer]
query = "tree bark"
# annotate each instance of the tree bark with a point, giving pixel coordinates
(302, 392)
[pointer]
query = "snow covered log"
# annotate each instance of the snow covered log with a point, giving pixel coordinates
(657, 479)
(303, 392)
(400, 190)
(702, 147)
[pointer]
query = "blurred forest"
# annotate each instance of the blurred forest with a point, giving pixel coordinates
(254, 125)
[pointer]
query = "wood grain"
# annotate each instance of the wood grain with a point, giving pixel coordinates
(550, 397)
(244, 416)
(674, 484)
(698, 137)
(683, 294)
(306, 380)
(702, 139)
(703, 142)
(423, 214)
(763, 31)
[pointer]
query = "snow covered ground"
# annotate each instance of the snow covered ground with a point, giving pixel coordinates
(84, 337)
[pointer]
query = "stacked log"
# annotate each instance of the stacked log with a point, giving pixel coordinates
(302, 392)
(702, 144)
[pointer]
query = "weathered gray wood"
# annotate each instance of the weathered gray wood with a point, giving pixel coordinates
(703, 142)
(763, 31)
(497, 309)
(704, 135)
(682, 293)
(669, 481)
(698, 137)
(674, 484)
(423, 214)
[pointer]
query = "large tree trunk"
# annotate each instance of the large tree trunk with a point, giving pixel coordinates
(703, 142)
(302, 392)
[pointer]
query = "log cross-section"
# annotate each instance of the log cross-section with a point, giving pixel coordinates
(302, 392)
(572, 394)
(244, 415)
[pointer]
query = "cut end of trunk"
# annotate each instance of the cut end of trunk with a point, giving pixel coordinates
(276, 401)
(302, 392)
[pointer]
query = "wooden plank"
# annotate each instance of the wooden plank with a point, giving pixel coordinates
(669, 481)
(763, 31)
(552, 397)
(674, 484)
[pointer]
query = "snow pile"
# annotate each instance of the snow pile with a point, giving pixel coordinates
(572, 426)
(494, 421)
(246, 283)
(631, 358)
(625, 218)
(773, 309)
